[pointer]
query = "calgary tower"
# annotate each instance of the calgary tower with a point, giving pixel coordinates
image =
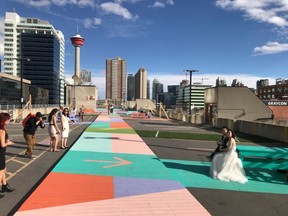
(77, 41)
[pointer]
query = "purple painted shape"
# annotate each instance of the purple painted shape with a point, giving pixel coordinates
(124, 186)
(116, 119)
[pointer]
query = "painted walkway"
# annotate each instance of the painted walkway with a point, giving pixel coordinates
(111, 171)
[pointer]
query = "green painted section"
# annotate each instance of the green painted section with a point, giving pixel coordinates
(264, 157)
(262, 151)
(142, 166)
(111, 130)
(93, 142)
(196, 174)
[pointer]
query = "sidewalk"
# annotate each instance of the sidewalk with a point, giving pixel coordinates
(111, 171)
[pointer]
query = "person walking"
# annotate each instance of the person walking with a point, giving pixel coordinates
(29, 132)
(53, 130)
(81, 112)
(4, 142)
(65, 128)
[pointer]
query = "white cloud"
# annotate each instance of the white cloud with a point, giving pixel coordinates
(92, 23)
(128, 1)
(271, 48)
(117, 9)
(2, 36)
(158, 4)
(48, 3)
(273, 12)
(161, 3)
(268, 11)
(170, 2)
(36, 3)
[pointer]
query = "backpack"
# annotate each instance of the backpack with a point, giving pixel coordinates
(24, 122)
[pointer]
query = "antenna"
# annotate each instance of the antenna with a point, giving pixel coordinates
(77, 29)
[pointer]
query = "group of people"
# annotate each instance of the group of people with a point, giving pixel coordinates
(55, 131)
(226, 164)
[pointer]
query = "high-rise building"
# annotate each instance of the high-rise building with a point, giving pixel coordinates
(220, 81)
(157, 88)
(115, 80)
(262, 83)
(35, 50)
(130, 87)
(141, 84)
(173, 89)
(148, 89)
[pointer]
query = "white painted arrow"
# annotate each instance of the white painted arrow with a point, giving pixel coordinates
(119, 162)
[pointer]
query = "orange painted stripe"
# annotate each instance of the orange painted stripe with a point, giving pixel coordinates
(119, 125)
(61, 189)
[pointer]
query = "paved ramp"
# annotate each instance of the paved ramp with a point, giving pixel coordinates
(111, 171)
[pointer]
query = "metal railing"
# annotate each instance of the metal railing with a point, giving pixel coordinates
(6, 107)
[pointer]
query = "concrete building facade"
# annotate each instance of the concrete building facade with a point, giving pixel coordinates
(235, 103)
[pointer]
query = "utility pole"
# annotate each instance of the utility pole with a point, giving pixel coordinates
(190, 92)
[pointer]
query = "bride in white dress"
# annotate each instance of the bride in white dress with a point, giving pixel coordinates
(226, 166)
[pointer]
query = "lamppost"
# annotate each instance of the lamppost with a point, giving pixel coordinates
(21, 59)
(190, 92)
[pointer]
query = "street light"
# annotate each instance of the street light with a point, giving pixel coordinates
(21, 78)
(190, 92)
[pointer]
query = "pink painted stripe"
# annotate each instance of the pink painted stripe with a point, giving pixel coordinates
(178, 202)
(130, 144)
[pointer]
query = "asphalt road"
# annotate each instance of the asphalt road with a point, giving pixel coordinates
(216, 201)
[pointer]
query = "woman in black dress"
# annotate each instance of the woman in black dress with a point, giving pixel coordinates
(4, 142)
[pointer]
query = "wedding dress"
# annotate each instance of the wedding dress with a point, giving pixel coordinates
(226, 166)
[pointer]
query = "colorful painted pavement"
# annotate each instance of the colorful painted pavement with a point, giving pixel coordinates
(111, 171)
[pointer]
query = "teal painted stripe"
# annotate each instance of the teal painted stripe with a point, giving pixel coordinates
(143, 166)
(196, 174)
(111, 130)
(100, 125)
(93, 142)
(262, 149)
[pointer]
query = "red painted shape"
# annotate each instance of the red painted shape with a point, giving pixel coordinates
(59, 189)
(77, 40)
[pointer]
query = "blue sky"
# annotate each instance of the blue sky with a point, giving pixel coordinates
(234, 39)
